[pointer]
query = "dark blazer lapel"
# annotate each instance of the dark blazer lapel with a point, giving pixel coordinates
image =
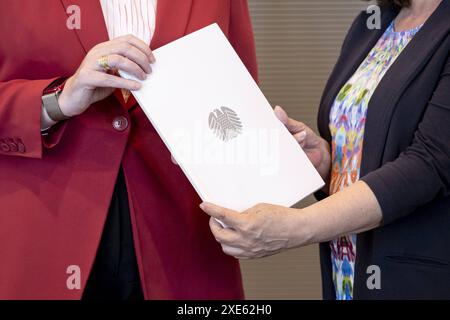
(93, 28)
(348, 62)
(396, 80)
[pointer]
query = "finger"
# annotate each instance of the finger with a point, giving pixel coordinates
(292, 125)
(215, 225)
(301, 138)
(139, 44)
(281, 115)
(104, 80)
(295, 126)
(232, 251)
(116, 61)
(129, 51)
(224, 235)
(229, 217)
(174, 161)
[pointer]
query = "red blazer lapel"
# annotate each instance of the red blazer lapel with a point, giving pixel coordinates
(172, 18)
(93, 28)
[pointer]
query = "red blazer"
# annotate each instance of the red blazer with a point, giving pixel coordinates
(55, 192)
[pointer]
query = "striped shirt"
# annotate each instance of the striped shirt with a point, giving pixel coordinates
(136, 17)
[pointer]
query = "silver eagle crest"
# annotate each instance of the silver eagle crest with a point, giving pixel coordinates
(225, 123)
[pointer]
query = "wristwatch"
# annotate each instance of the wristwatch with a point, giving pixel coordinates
(50, 101)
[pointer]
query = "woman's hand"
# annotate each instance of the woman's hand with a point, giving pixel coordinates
(92, 83)
(315, 147)
(258, 232)
(268, 229)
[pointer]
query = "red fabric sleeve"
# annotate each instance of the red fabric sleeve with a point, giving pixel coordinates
(20, 119)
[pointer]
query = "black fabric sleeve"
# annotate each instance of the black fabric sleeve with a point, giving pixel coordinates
(422, 172)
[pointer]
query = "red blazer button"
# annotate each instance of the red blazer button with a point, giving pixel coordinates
(120, 123)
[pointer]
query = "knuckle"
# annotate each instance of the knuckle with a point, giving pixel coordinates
(215, 233)
(123, 38)
(245, 228)
(94, 49)
(110, 81)
(114, 60)
(261, 207)
(84, 74)
(122, 61)
(258, 207)
(253, 251)
(254, 229)
(128, 47)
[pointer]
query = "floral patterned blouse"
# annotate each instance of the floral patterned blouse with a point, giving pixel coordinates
(347, 121)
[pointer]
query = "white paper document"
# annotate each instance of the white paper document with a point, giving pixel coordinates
(220, 128)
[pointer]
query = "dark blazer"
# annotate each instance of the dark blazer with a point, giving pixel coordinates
(406, 161)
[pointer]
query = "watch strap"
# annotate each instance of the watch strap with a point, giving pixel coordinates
(50, 101)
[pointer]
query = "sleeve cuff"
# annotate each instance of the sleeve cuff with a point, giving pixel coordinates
(385, 198)
(52, 137)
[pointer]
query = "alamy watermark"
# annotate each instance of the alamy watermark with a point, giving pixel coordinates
(374, 20)
(74, 20)
(73, 281)
(374, 279)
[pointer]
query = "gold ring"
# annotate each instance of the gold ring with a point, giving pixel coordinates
(103, 62)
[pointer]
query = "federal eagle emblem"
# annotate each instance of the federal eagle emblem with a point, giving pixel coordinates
(225, 123)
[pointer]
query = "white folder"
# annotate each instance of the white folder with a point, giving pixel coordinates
(220, 128)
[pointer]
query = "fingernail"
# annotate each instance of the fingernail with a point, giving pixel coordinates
(202, 206)
(302, 135)
(277, 114)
